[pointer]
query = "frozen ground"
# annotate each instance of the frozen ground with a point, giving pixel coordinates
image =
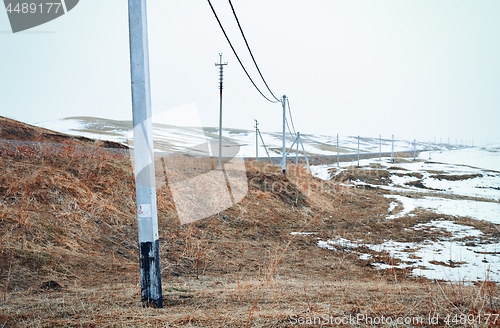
(457, 184)
(453, 183)
(457, 258)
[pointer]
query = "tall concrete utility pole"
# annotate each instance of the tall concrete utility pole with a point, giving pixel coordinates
(147, 215)
(283, 161)
(221, 66)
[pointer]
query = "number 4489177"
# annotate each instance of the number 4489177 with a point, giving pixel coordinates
(470, 319)
(25, 7)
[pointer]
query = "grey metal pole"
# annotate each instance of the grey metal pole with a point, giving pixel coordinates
(304, 151)
(429, 150)
(338, 162)
(414, 149)
(283, 161)
(392, 149)
(221, 67)
(256, 140)
(380, 147)
(358, 151)
(147, 214)
(297, 150)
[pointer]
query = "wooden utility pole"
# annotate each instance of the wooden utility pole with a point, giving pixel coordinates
(147, 214)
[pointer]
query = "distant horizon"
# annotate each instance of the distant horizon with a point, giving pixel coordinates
(53, 124)
(443, 141)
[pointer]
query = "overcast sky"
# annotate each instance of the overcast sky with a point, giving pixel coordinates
(418, 69)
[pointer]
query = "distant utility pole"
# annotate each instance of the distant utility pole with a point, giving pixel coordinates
(298, 140)
(297, 150)
(380, 147)
(358, 151)
(392, 149)
(221, 66)
(283, 161)
(147, 217)
(256, 140)
(338, 162)
(414, 149)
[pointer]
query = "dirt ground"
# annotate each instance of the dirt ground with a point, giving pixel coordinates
(68, 251)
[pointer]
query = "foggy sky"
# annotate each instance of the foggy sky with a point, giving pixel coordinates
(417, 69)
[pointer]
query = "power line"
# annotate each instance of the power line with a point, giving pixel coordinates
(250, 51)
(291, 118)
(288, 126)
(265, 147)
(237, 57)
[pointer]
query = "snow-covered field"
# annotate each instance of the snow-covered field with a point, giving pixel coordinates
(172, 138)
(457, 184)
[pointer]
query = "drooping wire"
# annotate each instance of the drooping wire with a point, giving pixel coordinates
(291, 118)
(250, 51)
(265, 147)
(288, 126)
(237, 57)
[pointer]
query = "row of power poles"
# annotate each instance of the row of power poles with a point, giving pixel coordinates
(147, 214)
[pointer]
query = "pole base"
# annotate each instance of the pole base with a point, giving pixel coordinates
(158, 304)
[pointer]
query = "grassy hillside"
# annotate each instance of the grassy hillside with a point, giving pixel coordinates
(68, 248)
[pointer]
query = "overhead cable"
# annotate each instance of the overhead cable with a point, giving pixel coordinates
(250, 51)
(265, 147)
(288, 126)
(291, 118)
(237, 57)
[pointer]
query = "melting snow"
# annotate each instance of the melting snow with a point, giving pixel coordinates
(465, 256)
(459, 258)
(476, 210)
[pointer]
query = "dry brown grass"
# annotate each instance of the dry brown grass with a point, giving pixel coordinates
(69, 221)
